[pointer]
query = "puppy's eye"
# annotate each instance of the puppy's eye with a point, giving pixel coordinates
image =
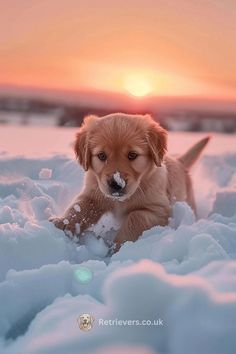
(102, 156)
(132, 155)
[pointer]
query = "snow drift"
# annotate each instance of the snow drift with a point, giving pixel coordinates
(183, 274)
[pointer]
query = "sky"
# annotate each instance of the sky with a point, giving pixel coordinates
(159, 47)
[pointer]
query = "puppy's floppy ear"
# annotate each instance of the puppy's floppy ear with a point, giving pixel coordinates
(81, 146)
(157, 140)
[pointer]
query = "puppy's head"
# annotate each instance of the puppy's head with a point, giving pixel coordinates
(120, 149)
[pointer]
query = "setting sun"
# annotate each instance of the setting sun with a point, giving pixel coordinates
(137, 85)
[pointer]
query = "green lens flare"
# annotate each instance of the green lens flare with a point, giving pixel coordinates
(83, 275)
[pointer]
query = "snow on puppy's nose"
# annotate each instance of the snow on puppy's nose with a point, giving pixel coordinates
(119, 180)
(116, 185)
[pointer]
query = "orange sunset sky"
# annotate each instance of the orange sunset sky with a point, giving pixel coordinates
(159, 47)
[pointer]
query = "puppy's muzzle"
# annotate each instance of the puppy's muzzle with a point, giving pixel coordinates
(115, 188)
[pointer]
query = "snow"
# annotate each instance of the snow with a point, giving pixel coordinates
(77, 208)
(45, 173)
(120, 181)
(183, 274)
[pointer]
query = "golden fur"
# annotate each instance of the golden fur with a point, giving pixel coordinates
(139, 190)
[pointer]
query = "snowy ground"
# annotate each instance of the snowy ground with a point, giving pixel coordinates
(183, 274)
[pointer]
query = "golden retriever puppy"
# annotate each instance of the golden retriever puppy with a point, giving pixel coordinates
(129, 174)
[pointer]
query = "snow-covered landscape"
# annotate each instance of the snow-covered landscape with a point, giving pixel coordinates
(183, 274)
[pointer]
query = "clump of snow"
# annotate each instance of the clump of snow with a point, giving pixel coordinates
(65, 221)
(77, 228)
(119, 180)
(225, 202)
(106, 227)
(183, 274)
(45, 173)
(181, 214)
(77, 208)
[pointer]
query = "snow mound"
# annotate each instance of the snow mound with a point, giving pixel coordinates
(45, 173)
(180, 278)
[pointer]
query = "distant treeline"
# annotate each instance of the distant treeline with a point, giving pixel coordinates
(73, 115)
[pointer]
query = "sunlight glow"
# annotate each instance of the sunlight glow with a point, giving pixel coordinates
(137, 85)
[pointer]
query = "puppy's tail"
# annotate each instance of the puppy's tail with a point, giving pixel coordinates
(191, 156)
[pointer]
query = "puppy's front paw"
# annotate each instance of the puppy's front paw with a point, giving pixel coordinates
(68, 226)
(117, 246)
(58, 222)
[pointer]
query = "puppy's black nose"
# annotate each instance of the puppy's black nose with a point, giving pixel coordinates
(114, 186)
